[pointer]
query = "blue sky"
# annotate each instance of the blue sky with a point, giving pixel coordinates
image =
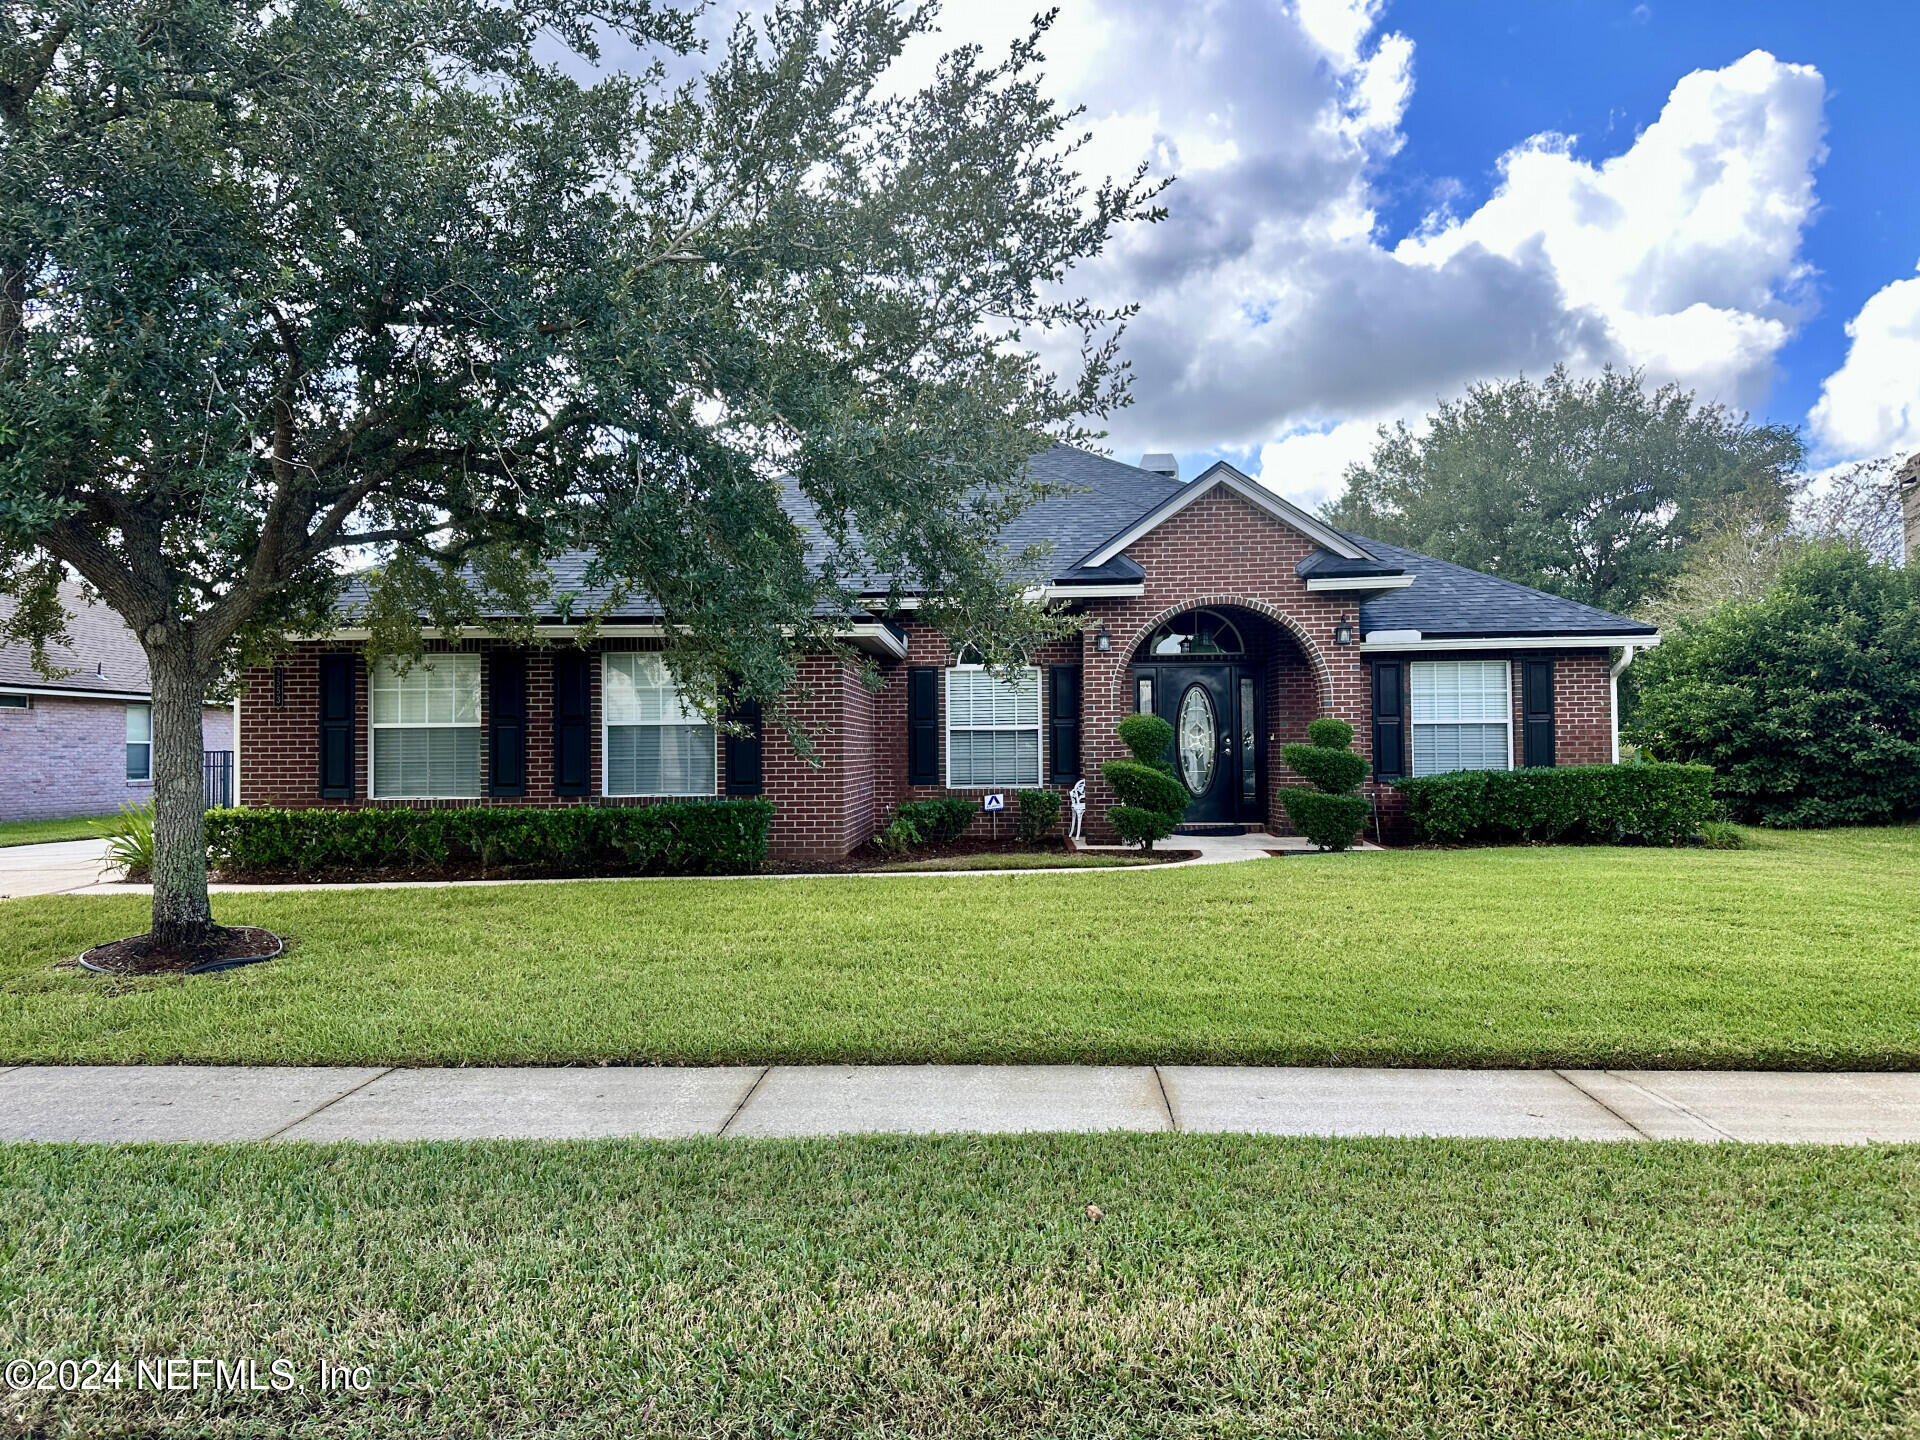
(1380, 202)
(1492, 70)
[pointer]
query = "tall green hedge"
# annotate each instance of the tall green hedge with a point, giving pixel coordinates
(1806, 704)
(1653, 804)
(707, 837)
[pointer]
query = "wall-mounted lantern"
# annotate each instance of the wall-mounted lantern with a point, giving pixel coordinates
(1343, 633)
(1102, 641)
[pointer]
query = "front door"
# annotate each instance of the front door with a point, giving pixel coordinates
(1218, 740)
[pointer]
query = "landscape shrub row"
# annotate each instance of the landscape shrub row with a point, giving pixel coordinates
(1654, 804)
(708, 837)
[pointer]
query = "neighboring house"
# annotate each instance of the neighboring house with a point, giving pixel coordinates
(82, 744)
(1233, 614)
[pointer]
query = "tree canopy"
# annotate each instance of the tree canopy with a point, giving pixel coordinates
(1806, 702)
(1594, 489)
(389, 280)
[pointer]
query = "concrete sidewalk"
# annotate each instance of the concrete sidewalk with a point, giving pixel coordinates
(229, 1103)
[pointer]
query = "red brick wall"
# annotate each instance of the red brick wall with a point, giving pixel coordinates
(279, 760)
(1221, 552)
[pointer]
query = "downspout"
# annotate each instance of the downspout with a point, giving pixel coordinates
(1618, 668)
(236, 750)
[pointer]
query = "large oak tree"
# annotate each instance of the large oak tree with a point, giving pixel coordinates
(388, 280)
(1594, 488)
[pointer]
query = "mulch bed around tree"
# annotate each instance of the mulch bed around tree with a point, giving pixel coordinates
(227, 947)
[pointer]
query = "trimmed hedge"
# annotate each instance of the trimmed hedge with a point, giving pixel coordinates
(1655, 804)
(705, 837)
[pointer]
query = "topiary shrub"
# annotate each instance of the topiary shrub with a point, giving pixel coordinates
(1330, 815)
(1329, 821)
(1152, 799)
(1327, 733)
(1039, 810)
(1150, 739)
(1136, 826)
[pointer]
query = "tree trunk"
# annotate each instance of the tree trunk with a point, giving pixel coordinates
(182, 916)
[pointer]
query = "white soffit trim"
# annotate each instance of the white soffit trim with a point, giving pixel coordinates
(1376, 641)
(1221, 474)
(1361, 582)
(138, 697)
(1121, 590)
(868, 635)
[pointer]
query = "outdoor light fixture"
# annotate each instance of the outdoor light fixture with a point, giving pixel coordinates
(1343, 633)
(1102, 641)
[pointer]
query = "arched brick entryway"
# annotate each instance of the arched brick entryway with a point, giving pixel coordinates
(1296, 685)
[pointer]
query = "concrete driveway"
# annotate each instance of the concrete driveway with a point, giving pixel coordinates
(55, 869)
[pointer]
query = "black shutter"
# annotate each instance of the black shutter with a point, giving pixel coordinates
(1063, 723)
(336, 727)
(743, 751)
(923, 725)
(1536, 710)
(572, 706)
(1389, 720)
(506, 723)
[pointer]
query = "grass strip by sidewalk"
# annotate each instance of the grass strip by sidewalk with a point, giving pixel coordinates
(42, 832)
(1799, 953)
(957, 1288)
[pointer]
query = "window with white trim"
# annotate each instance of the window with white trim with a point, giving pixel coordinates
(140, 742)
(993, 728)
(652, 741)
(425, 729)
(1462, 715)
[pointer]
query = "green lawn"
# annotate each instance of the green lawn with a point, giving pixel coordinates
(1022, 860)
(1801, 952)
(956, 1287)
(39, 832)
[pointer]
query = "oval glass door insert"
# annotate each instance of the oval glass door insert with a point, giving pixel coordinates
(1198, 739)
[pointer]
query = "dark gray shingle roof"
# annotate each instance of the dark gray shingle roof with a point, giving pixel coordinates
(105, 657)
(1451, 600)
(1100, 497)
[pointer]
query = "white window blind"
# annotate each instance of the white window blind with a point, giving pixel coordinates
(425, 728)
(139, 742)
(654, 742)
(1462, 715)
(993, 729)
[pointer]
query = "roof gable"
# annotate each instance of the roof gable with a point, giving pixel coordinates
(1222, 476)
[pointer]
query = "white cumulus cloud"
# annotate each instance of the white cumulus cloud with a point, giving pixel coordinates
(1870, 406)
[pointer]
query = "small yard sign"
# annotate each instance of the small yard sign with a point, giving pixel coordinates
(995, 801)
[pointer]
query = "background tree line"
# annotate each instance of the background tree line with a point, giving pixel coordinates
(1790, 659)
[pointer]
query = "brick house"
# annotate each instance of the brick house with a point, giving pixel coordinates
(82, 743)
(1214, 603)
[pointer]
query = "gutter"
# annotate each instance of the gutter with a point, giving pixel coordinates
(1614, 672)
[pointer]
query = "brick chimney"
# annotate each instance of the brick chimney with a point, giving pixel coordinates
(1907, 483)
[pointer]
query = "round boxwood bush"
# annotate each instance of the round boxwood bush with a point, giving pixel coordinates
(1150, 739)
(1329, 821)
